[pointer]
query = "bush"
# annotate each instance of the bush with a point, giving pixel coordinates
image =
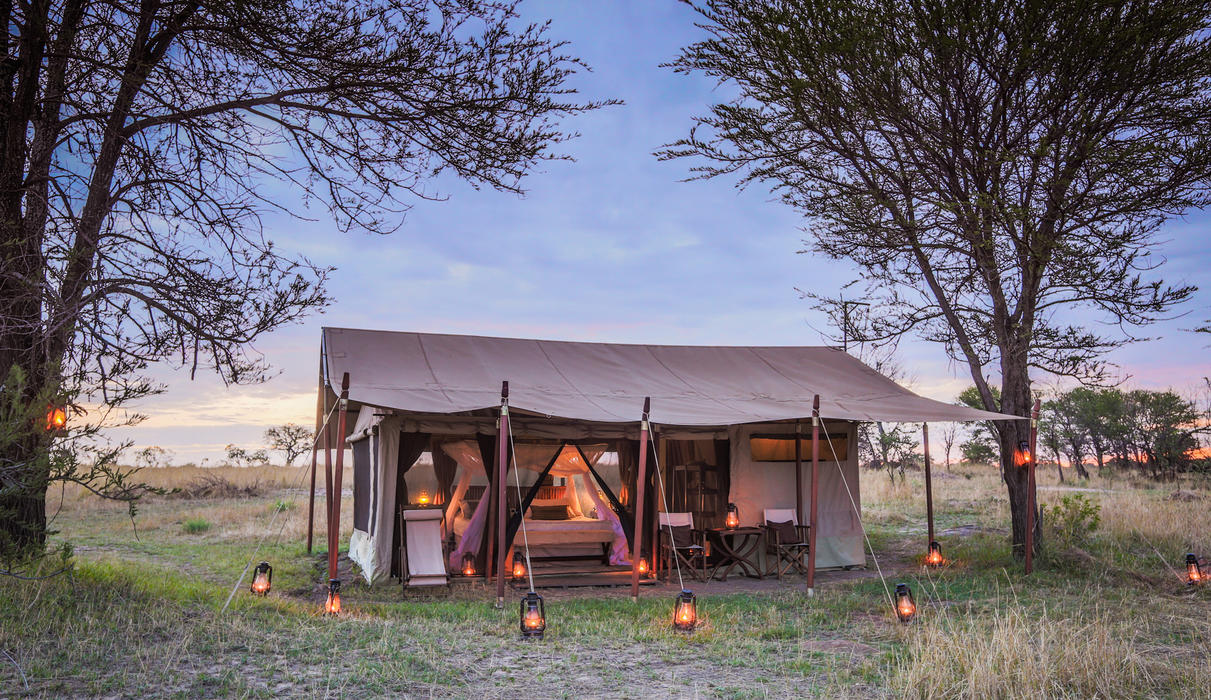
(196, 526)
(1073, 520)
(283, 505)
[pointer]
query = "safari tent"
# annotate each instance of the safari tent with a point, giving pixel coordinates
(727, 425)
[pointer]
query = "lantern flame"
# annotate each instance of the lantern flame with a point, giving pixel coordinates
(934, 558)
(423, 498)
(643, 567)
(519, 570)
(685, 612)
(468, 569)
(1194, 572)
(56, 419)
(732, 521)
(533, 619)
(332, 606)
(906, 607)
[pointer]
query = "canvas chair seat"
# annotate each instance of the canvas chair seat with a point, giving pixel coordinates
(788, 555)
(692, 555)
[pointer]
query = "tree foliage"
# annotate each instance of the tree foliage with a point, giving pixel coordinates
(991, 169)
(291, 439)
(142, 142)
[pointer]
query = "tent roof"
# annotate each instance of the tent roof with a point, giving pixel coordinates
(606, 382)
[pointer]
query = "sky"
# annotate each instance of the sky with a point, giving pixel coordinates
(613, 247)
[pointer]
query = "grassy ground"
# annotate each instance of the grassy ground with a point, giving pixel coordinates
(1103, 616)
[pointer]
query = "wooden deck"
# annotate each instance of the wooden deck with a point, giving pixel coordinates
(580, 575)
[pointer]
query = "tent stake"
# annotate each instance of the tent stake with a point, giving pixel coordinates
(811, 533)
(502, 469)
(1034, 438)
(640, 482)
(334, 518)
(928, 484)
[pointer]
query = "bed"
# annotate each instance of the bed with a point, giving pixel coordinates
(579, 530)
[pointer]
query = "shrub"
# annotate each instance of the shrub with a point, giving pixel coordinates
(196, 526)
(1073, 520)
(283, 505)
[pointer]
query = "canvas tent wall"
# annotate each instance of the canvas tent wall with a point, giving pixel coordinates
(432, 383)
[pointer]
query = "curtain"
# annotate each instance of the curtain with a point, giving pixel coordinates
(527, 456)
(444, 468)
(466, 454)
(411, 446)
(620, 551)
(487, 456)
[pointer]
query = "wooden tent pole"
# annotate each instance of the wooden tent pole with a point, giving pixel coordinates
(328, 484)
(928, 484)
(321, 411)
(311, 498)
(334, 516)
(811, 533)
(640, 482)
(502, 470)
(1034, 438)
(798, 474)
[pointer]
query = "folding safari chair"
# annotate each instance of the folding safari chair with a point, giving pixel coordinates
(789, 552)
(689, 548)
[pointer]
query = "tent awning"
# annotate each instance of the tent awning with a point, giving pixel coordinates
(433, 373)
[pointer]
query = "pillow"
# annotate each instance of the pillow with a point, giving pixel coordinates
(549, 512)
(465, 510)
(682, 537)
(548, 502)
(786, 531)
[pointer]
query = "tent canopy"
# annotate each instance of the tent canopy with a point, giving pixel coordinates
(430, 373)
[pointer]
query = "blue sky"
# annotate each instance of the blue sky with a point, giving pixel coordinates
(612, 247)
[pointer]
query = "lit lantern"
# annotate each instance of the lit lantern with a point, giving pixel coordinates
(1194, 573)
(1021, 457)
(333, 605)
(732, 521)
(262, 576)
(423, 498)
(533, 616)
(468, 564)
(56, 419)
(685, 612)
(519, 570)
(934, 558)
(906, 607)
(643, 567)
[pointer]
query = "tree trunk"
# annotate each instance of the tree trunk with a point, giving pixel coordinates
(1015, 400)
(23, 502)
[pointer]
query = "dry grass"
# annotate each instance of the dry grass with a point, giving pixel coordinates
(1013, 653)
(984, 630)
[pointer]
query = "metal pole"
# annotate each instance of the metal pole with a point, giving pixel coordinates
(334, 519)
(1034, 438)
(811, 533)
(640, 481)
(928, 484)
(502, 470)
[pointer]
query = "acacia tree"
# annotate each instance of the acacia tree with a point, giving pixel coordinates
(291, 439)
(997, 171)
(141, 142)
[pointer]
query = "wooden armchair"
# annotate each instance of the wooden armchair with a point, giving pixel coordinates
(688, 546)
(789, 552)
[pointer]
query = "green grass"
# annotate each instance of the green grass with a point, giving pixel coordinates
(195, 526)
(140, 616)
